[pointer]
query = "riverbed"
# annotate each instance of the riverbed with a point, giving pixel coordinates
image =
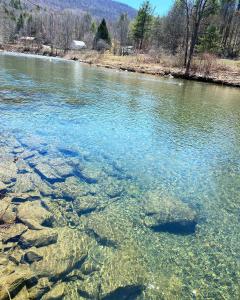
(144, 169)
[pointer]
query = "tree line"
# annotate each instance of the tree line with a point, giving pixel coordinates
(190, 27)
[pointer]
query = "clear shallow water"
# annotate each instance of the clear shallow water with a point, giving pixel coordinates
(177, 136)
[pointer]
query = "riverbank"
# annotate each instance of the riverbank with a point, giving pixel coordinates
(223, 72)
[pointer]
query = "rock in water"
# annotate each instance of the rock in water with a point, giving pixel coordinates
(12, 233)
(38, 238)
(12, 283)
(166, 214)
(59, 259)
(7, 215)
(34, 215)
(56, 293)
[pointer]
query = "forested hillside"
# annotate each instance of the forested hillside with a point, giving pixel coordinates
(199, 29)
(98, 8)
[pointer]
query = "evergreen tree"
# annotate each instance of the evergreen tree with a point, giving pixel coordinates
(142, 24)
(20, 23)
(210, 41)
(102, 34)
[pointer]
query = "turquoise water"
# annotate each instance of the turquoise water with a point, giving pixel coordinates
(180, 137)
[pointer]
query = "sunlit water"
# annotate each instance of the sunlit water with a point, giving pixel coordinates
(178, 136)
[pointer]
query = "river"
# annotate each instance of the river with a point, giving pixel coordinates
(139, 135)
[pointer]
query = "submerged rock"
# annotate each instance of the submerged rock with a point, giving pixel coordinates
(31, 256)
(38, 238)
(12, 233)
(34, 215)
(56, 293)
(166, 214)
(42, 287)
(13, 283)
(90, 174)
(8, 170)
(7, 214)
(59, 259)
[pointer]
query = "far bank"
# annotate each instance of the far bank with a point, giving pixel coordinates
(205, 69)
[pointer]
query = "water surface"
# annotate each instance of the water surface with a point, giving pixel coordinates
(180, 137)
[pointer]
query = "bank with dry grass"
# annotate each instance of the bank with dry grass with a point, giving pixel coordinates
(206, 68)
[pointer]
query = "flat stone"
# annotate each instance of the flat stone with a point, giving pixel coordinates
(12, 233)
(24, 183)
(47, 172)
(61, 258)
(90, 174)
(38, 238)
(17, 198)
(34, 215)
(71, 189)
(163, 213)
(87, 204)
(61, 167)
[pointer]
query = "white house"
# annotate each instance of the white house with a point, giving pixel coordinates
(77, 45)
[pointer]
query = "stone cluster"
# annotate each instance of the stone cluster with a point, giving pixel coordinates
(59, 234)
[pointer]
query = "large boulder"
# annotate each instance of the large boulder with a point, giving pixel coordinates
(166, 214)
(38, 238)
(34, 215)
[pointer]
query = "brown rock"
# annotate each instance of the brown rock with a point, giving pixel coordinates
(61, 258)
(37, 291)
(34, 215)
(12, 233)
(7, 216)
(38, 238)
(14, 282)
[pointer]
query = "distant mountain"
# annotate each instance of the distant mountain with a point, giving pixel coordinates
(98, 8)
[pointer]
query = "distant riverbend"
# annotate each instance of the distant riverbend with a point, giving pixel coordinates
(116, 185)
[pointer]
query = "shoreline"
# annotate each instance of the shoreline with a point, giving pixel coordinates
(227, 78)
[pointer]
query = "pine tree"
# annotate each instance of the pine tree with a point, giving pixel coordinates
(142, 24)
(210, 41)
(102, 34)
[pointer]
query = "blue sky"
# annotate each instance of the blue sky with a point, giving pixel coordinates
(161, 6)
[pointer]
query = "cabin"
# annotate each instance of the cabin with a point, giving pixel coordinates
(77, 45)
(27, 40)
